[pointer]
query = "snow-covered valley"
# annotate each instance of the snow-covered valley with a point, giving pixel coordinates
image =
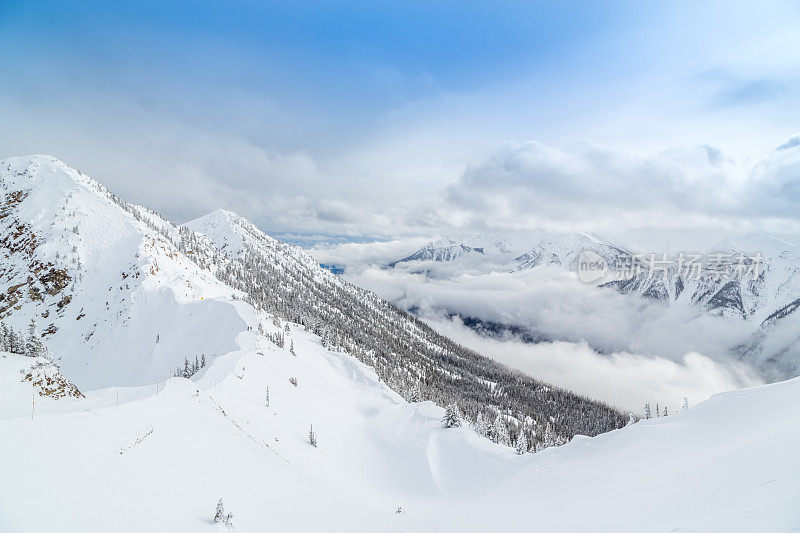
(123, 310)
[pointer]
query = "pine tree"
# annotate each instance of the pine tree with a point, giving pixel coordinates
(291, 348)
(4, 342)
(312, 437)
(685, 403)
(480, 425)
(658, 413)
(631, 419)
(522, 442)
(33, 344)
(219, 516)
(203, 361)
(500, 433)
(451, 418)
(549, 438)
(267, 397)
(666, 413)
(647, 411)
(415, 395)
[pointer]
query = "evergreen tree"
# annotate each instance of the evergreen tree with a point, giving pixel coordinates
(4, 342)
(685, 403)
(647, 411)
(451, 418)
(522, 442)
(267, 400)
(220, 517)
(631, 419)
(480, 425)
(33, 344)
(501, 431)
(312, 437)
(415, 395)
(549, 438)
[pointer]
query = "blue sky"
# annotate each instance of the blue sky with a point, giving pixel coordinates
(347, 117)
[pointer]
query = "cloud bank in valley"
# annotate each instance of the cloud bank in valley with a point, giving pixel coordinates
(618, 348)
(553, 303)
(622, 379)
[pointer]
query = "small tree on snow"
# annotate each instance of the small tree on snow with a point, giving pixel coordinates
(631, 419)
(685, 404)
(267, 399)
(647, 414)
(451, 418)
(312, 437)
(220, 517)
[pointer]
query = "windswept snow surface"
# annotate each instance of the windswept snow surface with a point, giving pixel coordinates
(160, 458)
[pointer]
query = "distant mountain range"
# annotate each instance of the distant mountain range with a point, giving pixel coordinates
(456, 248)
(764, 293)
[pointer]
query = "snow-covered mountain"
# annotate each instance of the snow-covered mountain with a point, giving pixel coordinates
(565, 250)
(486, 247)
(761, 287)
(115, 300)
(752, 280)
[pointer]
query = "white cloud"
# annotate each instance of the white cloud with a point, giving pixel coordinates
(622, 379)
(553, 303)
(530, 185)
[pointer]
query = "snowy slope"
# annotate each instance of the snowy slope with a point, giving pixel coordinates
(160, 459)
